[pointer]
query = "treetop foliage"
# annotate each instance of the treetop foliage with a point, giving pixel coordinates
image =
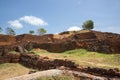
(89, 24)
(41, 31)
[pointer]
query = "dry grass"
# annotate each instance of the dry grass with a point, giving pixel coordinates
(58, 36)
(8, 70)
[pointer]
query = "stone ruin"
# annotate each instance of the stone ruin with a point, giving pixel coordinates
(44, 63)
(91, 40)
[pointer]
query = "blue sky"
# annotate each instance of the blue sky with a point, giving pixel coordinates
(59, 15)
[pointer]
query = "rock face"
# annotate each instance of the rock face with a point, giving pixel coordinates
(90, 40)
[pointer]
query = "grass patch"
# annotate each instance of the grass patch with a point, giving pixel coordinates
(14, 52)
(80, 31)
(39, 51)
(86, 58)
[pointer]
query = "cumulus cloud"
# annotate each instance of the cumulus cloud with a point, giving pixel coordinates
(33, 20)
(74, 28)
(15, 24)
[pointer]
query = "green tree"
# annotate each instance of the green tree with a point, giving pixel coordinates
(31, 31)
(89, 24)
(10, 31)
(1, 29)
(41, 31)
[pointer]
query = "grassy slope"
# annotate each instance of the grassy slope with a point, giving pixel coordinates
(85, 58)
(8, 70)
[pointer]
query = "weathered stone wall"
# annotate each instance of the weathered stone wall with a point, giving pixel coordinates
(102, 72)
(89, 44)
(44, 63)
(10, 58)
(34, 38)
(92, 41)
(7, 39)
(35, 61)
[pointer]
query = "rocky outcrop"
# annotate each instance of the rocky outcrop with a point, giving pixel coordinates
(35, 76)
(56, 72)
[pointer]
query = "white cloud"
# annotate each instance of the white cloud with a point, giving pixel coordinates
(28, 19)
(115, 29)
(74, 28)
(33, 20)
(111, 28)
(15, 24)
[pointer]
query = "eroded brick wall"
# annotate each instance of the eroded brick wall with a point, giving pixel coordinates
(10, 58)
(44, 63)
(92, 41)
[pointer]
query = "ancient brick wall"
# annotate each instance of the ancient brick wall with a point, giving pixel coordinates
(10, 58)
(44, 63)
(92, 41)
(34, 38)
(7, 39)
